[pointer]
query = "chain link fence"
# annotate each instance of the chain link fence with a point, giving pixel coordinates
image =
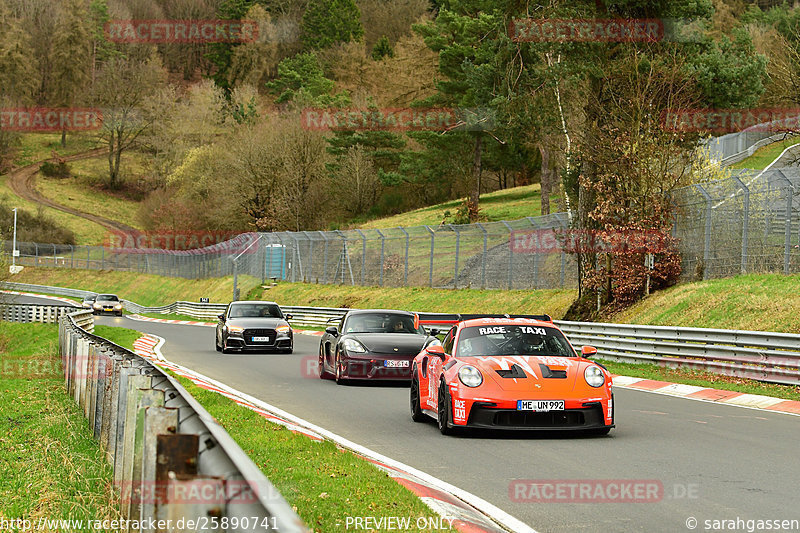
(748, 223)
(447, 256)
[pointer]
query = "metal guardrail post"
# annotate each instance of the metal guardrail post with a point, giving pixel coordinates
(433, 242)
(510, 256)
(458, 245)
(383, 247)
(325, 258)
(310, 257)
(787, 244)
(483, 255)
(745, 222)
(535, 256)
(157, 421)
(405, 272)
(363, 255)
(707, 235)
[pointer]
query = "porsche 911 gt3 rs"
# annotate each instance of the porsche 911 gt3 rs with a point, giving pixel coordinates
(510, 373)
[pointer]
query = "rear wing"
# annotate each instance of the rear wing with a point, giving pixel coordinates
(449, 319)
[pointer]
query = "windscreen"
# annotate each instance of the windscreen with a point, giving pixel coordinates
(255, 310)
(504, 339)
(108, 298)
(381, 323)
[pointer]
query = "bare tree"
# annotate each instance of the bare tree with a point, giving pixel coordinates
(124, 91)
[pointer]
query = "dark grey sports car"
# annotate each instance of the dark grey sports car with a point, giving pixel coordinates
(372, 344)
(251, 325)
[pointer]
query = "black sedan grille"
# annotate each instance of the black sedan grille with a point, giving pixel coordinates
(250, 334)
(483, 415)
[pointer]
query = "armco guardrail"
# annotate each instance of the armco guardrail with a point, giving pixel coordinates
(45, 314)
(764, 356)
(171, 459)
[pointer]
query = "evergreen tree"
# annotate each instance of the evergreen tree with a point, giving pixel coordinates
(328, 22)
(71, 57)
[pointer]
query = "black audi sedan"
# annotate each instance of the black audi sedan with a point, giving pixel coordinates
(372, 344)
(254, 326)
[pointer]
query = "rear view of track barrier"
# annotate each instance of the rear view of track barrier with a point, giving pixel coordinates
(175, 468)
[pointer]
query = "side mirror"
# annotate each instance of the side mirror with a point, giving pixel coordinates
(221, 317)
(333, 330)
(288, 316)
(435, 350)
(588, 351)
(433, 332)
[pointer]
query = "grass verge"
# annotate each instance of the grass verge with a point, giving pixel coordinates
(50, 467)
(323, 483)
(553, 302)
(506, 204)
(144, 289)
(766, 155)
(176, 316)
(760, 302)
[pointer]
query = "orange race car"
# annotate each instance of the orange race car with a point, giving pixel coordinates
(509, 372)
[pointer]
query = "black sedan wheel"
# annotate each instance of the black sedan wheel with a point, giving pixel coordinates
(416, 412)
(443, 410)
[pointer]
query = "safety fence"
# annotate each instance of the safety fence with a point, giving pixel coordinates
(483, 255)
(734, 147)
(747, 223)
(45, 314)
(764, 356)
(744, 224)
(172, 462)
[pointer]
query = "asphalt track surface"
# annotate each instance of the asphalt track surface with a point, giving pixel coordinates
(715, 462)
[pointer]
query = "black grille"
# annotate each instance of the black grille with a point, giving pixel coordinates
(482, 415)
(250, 333)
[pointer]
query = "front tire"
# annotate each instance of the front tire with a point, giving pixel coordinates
(338, 369)
(444, 408)
(323, 374)
(416, 412)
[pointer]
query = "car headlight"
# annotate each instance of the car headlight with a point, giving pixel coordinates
(97, 305)
(594, 376)
(118, 306)
(470, 376)
(235, 329)
(352, 345)
(434, 342)
(283, 329)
